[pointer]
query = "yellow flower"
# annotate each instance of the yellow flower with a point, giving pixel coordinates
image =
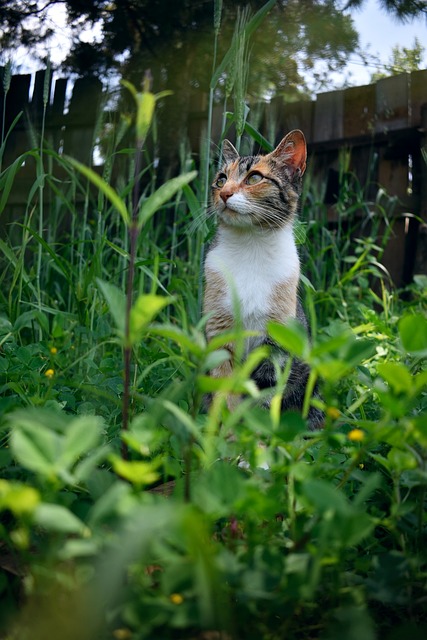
(176, 598)
(356, 435)
(122, 634)
(49, 373)
(333, 412)
(53, 351)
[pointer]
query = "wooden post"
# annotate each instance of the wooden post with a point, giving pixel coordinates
(81, 119)
(420, 262)
(392, 103)
(328, 116)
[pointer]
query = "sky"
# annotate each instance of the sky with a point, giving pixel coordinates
(378, 34)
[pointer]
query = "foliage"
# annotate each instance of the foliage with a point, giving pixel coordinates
(176, 43)
(402, 60)
(402, 9)
(216, 524)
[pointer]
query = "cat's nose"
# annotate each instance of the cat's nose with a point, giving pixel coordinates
(224, 195)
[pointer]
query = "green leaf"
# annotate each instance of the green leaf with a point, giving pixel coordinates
(104, 187)
(11, 128)
(357, 351)
(233, 384)
(35, 447)
(324, 496)
(332, 370)
(162, 195)
(7, 178)
(192, 201)
(291, 337)
(253, 359)
(27, 319)
(420, 380)
(137, 472)
(77, 549)
(252, 25)
(258, 138)
(81, 436)
(116, 301)
(291, 425)
(413, 334)
(18, 264)
(178, 336)
(55, 517)
(217, 491)
(62, 265)
(18, 498)
(352, 623)
(372, 482)
(110, 503)
(341, 520)
(216, 358)
(184, 418)
(50, 443)
(397, 376)
(145, 103)
(143, 312)
(84, 469)
(401, 460)
(130, 87)
(229, 336)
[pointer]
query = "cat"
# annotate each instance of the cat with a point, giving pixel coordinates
(254, 257)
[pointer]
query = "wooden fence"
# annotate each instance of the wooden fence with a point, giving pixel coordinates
(382, 126)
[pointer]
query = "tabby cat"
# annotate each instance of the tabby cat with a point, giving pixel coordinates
(254, 257)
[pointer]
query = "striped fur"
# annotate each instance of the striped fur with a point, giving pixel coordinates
(254, 259)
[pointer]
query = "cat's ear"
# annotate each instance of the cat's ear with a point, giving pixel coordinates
(229, 153)
(292, 150)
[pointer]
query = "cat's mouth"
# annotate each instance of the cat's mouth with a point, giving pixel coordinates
(234, 218)
(234, 209)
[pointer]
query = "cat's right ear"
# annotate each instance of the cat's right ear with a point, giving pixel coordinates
(229, 153)
(292, 150)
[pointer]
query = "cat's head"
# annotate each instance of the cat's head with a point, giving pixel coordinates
(260, 191)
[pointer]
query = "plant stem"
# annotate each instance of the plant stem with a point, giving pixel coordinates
(133, 241)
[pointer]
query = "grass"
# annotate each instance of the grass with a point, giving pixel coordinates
(270, 531)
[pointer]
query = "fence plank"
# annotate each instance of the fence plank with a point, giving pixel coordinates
(392, 103)
(328, 116)
(359, 111)
(288, 116)
(81, 118)
(37, 98)
(418, 96)
(17, 97)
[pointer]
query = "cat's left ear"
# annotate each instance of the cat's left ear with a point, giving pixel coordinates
(229, 153)
(292, 150)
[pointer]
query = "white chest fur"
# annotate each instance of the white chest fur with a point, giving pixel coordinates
(253, 262)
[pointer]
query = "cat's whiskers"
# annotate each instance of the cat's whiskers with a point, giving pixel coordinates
(198, 222)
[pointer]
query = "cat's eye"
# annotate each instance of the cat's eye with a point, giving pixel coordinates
(254, 178)
(220, 181)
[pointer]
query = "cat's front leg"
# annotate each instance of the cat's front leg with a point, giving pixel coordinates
(217, 324)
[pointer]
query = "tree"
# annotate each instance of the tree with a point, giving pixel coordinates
(174, 38)
(404, 10)
(172, 35)
(402, 60)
